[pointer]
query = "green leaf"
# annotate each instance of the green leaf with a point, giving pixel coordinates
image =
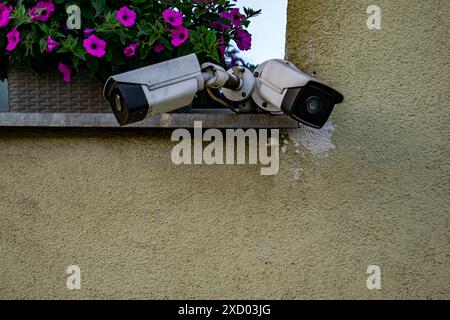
(108, 55)
(44, 28)
(215, 56)
(99, 6)
(43, 45)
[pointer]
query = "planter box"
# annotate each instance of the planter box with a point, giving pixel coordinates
(30, 92)
(47, 101)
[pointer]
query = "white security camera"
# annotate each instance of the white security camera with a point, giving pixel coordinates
(276, 86)
(280, 86)
(155, 89)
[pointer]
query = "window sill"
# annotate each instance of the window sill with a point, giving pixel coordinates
(174, 120)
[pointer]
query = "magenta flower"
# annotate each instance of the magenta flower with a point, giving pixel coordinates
(5, 13)
(243, 40)
(88, 31)
(66, 71)
(179, 36)
(95, 46)
(126, 16)
(13, 39)
(51, 44)
(234, 16)
(130, 51)
(172, 17)
(42, 11)
(220, 26)
(159, 47)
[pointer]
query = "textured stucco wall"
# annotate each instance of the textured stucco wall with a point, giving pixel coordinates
(139, 227)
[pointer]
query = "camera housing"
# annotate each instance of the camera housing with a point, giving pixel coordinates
(155, 89)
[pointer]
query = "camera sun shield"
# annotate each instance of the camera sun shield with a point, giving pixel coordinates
(312, 104)
(128, 102)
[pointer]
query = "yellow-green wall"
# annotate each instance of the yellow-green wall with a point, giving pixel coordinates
(139, 227)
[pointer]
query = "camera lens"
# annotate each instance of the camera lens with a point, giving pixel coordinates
(118, 102)
(313, 105)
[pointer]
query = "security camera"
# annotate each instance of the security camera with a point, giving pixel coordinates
(276, 86)
(155, 89)
(281, 87)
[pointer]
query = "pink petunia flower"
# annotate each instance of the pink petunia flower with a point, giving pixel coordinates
(89, 31)
(172, 17)
(13, 39)
(42, 11)
(66, 71)
(126, 16)
(130, 51)
(95, 46)
(234, 16)
(159, 47)
(5, 13)
(51, 44)
(220, 26)
(179, 36)
(243, 40)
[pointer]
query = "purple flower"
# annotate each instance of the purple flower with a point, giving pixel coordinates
(234, 16)
(13, 39)
(66, 71)
(89, 31)
(5, 13)
(130, 51)
(172, 17)
(51, 44)
(95, 46)
(159, 47)
(126, 16)
(243, 39)
(42, 11)
(179, 36)
(220, 26)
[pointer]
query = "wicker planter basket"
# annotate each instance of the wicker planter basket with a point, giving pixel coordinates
(30, 92)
